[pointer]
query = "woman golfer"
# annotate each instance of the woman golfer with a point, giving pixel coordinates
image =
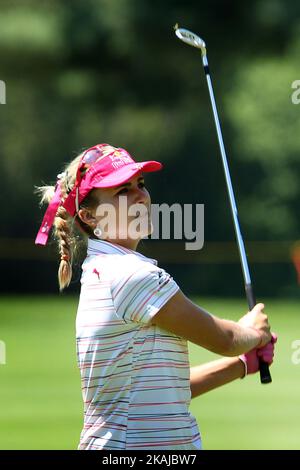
(133, 321)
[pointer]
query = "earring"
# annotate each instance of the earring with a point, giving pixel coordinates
(98, 232)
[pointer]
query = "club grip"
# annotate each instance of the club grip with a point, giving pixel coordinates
(265, 376)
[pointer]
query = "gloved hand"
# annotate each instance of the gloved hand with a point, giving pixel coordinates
(251, 358)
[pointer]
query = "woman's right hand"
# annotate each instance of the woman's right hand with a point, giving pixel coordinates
(266, 354)
(258, 320)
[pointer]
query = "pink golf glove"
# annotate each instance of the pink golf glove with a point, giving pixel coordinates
(251, 358)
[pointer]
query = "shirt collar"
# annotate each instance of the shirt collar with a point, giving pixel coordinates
(101, 246)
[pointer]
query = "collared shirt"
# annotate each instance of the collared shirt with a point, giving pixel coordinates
(135, 376)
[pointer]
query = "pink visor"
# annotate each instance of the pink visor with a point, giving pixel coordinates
(101, 166)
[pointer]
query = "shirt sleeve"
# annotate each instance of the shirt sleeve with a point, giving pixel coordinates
(141, 292)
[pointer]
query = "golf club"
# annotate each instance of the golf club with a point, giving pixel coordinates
(193, 40)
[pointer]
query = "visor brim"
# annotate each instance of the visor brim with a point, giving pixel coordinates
(125, 173)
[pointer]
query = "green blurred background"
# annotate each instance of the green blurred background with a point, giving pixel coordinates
(89, 71)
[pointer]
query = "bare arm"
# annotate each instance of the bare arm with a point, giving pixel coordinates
(227, 338)
(214, 374)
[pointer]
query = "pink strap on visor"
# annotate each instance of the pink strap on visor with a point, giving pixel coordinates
(43, 233)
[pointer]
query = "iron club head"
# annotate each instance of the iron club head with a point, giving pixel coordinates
(190, 38)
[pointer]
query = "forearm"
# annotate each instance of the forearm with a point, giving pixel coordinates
(182, 317)
(206, 377)
(241, 339)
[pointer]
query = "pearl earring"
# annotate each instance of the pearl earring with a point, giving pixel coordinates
(98, 232)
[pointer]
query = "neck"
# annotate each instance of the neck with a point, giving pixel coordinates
(127, 243)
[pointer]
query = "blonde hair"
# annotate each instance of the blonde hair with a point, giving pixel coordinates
(66, 231)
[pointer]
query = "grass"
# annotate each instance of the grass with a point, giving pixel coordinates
(40, 396)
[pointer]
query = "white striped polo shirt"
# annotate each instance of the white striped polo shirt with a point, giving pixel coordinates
(135, 376)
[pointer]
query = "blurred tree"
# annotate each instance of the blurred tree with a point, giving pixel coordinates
(85, 71)
(266, 129)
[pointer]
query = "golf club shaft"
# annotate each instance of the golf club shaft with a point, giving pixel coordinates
(265, 376)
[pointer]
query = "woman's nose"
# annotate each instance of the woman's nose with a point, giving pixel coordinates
(141, 196)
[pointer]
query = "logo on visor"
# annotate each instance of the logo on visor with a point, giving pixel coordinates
(119, 159)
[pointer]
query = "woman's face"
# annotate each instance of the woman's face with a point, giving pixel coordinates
(124, 211)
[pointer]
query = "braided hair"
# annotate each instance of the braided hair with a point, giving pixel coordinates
(67, 228)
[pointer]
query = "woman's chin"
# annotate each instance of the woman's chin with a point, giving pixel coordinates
(137, 229)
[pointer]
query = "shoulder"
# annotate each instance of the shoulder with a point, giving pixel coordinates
(139, 289)
(131, 268)
(135, 277)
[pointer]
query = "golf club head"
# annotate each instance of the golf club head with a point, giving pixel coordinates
(190, 38)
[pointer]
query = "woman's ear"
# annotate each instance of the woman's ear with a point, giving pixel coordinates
(87, 217)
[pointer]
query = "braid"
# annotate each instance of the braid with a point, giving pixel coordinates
(65, 240)
(66, 228)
